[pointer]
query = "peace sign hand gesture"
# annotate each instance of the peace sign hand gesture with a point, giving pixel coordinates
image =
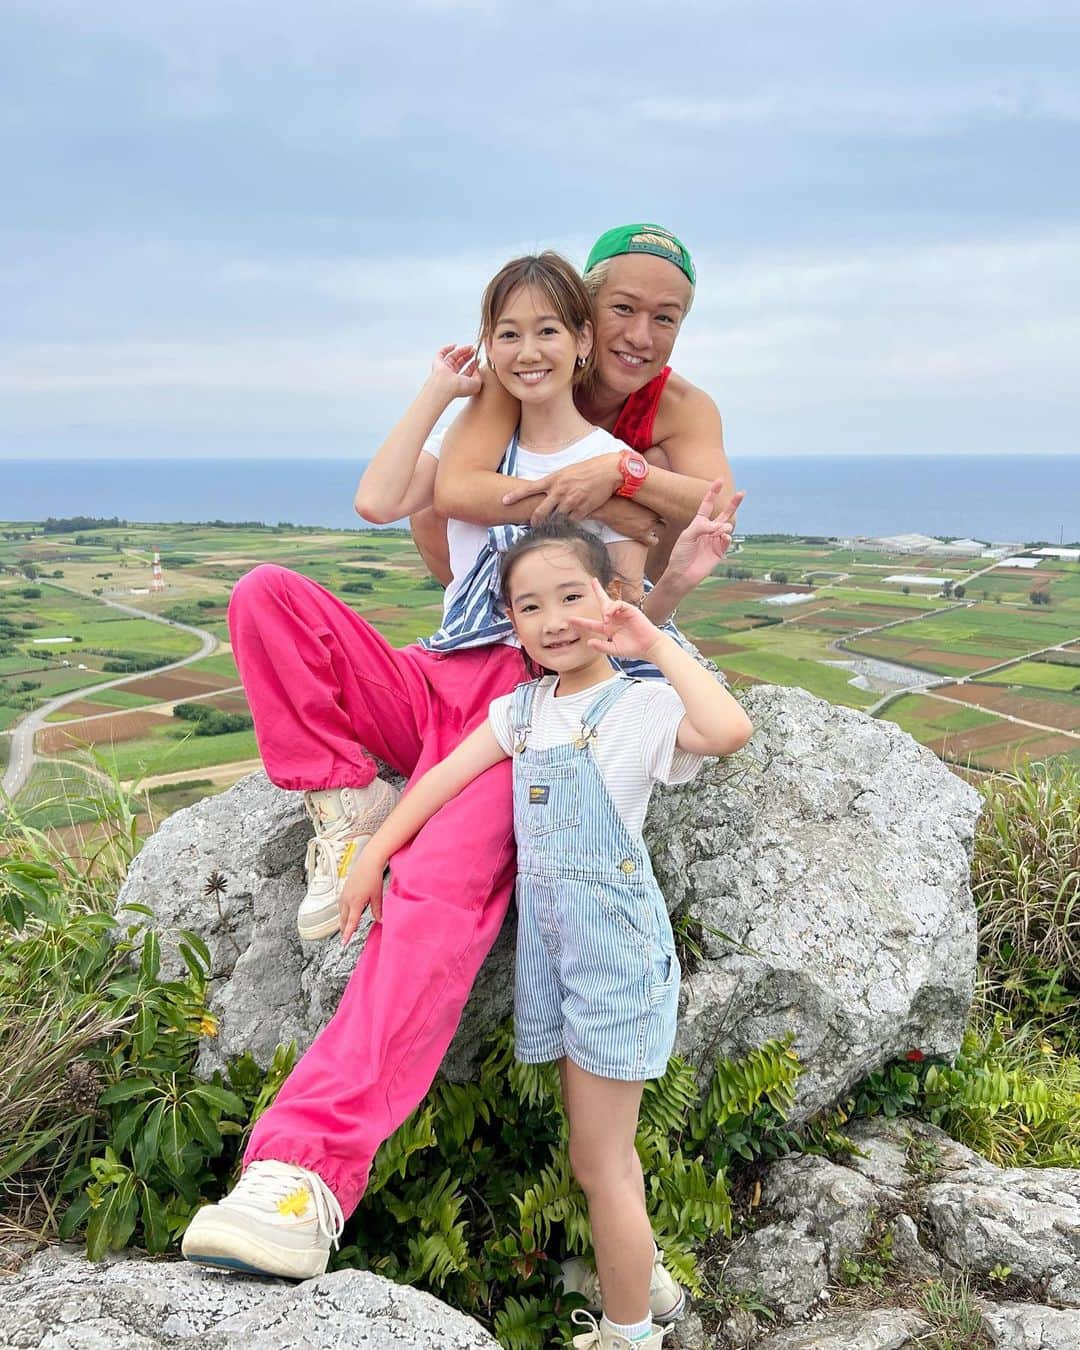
(705, 541)
(622, 631)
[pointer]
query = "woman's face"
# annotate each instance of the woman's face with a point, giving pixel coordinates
(637, 314)
(533, 352)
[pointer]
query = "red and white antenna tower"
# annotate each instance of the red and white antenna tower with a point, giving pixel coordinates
(158, 581)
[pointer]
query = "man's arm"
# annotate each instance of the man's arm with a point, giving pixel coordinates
(691, 436)
(469, 487)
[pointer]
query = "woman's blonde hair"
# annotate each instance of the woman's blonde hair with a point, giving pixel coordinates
(561, 284)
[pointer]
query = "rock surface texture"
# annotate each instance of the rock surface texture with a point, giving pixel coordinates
(59, 1301)
(833, 851)
(947, 1210)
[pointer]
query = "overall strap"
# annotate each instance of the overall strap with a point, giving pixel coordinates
(602, 704)
(476, 618)
(521, 713)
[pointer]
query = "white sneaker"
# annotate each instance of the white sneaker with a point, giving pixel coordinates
(667, 1299)
(601, 1337)
(277, 1220)
(344, 820)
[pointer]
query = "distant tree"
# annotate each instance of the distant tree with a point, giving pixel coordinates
(29, 571)
(946, 590)
(1039, 597)
(986, 595)
(779, 577)
(906, 590)
(997, 599)
(30, 592)
(959, 591)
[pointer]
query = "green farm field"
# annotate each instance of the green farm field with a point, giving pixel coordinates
(379, 574)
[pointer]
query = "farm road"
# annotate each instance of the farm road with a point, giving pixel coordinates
(22, 738)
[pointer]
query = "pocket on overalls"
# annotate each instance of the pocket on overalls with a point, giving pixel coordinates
(664, 973)
(550, 800)
(632, 912)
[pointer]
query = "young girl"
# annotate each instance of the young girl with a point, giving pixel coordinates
(597, 980)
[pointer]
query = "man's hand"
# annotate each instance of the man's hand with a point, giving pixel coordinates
(628, 517)
(363, 887)
(575, 491)
(705, 541)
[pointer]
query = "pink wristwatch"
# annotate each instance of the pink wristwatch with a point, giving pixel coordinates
(634, 469)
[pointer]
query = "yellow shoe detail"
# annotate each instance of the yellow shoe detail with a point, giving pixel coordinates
(296, 1202)
(346, 858)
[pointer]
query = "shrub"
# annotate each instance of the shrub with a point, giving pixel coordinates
(1026, 882)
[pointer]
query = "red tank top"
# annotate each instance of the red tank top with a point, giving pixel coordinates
(634, 425)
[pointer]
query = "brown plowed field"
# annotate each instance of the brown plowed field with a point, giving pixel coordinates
(944, 657)
(1000, 698)
(82, 707)
(127, 726)
(227, 702)
(178, 685)
(737, 677)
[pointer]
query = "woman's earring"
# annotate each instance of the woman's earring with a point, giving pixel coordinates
(581, 362)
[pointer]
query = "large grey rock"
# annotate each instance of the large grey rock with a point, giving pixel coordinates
(1024, 1218)
(59, 1301)
(834, 848)
(881, 1329)
(1030, 1326)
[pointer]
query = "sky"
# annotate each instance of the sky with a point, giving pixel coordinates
(240, 229)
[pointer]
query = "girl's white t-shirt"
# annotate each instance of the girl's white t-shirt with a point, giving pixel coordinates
(466, 539)
(634, 746)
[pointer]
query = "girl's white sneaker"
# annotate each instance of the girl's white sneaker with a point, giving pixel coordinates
(667, 1298)
(277, 1220)
(601, 1337)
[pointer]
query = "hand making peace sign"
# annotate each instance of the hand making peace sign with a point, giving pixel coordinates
(705, 541)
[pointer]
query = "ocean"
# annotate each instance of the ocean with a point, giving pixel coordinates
(991, 497)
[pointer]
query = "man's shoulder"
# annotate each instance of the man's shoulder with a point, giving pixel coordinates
(681, 404)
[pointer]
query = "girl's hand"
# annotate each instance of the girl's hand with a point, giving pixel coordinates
(621, 631)
(363, 887)
(705, 541)
(453, 371)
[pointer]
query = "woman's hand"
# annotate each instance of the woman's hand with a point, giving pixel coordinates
(453, 371)
(622, 631)
(705, 541)
(363, 887)
(575, 491)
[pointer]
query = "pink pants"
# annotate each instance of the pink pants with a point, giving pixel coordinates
(324, 689)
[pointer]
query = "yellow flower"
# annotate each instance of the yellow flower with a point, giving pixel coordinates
(208, 1025)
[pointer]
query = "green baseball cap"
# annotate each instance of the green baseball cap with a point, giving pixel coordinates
(652, 239)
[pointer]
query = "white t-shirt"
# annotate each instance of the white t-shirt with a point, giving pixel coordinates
(634, 745)
(466, 539)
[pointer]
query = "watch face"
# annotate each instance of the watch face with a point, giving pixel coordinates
(635, 467)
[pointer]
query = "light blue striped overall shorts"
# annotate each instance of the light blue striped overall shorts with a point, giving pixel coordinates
(597, 976)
